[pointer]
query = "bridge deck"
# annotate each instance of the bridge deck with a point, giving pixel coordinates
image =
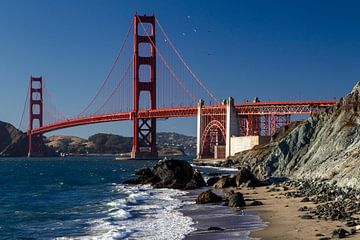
(258, 108)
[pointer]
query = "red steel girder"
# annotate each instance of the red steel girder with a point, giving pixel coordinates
(305, 107)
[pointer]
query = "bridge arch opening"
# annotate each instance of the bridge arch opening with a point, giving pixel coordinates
(213, 139)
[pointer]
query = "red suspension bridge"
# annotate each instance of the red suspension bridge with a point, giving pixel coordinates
(148, 81)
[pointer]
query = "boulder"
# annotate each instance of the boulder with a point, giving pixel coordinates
(236, 200)
(339, 233)
(225, 182)
(211, 181)
(245, 177)
(196, 181)
(256, 203)
(227, 163)
(167, 173)
(208, 197)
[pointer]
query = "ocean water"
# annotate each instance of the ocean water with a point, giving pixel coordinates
(83, 198)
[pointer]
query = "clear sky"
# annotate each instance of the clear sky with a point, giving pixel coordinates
(276, 50)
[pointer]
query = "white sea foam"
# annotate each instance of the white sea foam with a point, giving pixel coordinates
(144, 213)
(226, 169)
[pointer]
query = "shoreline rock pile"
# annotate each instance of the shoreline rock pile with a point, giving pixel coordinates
(333, 203)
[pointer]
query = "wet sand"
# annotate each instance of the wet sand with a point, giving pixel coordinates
(236, 224)
(278, 218)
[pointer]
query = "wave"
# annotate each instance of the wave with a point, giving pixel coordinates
(142, 213)
(225, 169)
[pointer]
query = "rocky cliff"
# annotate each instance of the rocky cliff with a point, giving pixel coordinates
(12, 141)
(325, 146)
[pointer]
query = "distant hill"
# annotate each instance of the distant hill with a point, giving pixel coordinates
(171, 139)
(101, 143)
(14, 143)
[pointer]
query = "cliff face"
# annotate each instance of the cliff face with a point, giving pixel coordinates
(325, 146)
(12, 141)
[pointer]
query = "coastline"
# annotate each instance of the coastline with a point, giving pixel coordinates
(282, 217)
(278, 218)
(236, 223)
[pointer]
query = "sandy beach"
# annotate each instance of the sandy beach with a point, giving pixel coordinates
(282, 217)
(278, 218)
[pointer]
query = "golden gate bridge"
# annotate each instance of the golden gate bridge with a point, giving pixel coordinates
(150, 81)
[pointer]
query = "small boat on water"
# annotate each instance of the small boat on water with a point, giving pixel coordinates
(125, 157)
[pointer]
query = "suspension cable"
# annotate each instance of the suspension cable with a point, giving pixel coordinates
(110, 72)
(24, 108)
(117, 87)
(185, 64)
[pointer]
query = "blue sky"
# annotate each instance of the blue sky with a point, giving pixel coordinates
(276, 50)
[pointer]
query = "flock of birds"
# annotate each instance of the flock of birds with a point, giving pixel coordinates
(193, 30)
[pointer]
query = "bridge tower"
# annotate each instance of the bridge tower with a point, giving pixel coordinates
(144, 129)
(35, 142)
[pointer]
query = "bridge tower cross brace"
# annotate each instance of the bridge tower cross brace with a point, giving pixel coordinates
(35, 142)
(144, 129)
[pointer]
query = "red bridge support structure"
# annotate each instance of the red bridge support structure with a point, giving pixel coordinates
(223, 128)
(36, 146)
(144, 129)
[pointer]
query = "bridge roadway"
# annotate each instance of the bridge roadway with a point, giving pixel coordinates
(257, 108)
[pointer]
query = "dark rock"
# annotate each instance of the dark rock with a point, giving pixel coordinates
(236, 200)
(225, 182)
(227, 194)
(339, 233)
(302, 209)
(319, 235)
(173, 173)
(170, 174)
(305, 199)
(208, 197)
(197, 181)
(211, 181)
(227, 163)
(215, 229)
(213, 174)
(351, 224)
(244, 175)
(256, 203)
(306, 216)
(14, 143)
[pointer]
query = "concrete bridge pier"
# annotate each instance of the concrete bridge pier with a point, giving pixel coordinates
(222, 132)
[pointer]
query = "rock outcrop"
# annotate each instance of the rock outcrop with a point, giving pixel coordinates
(325, 146)
(236, 200)
(176, 174)
(13, 143)
(208, 197)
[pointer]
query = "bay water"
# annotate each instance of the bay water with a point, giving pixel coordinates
(84, 198)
